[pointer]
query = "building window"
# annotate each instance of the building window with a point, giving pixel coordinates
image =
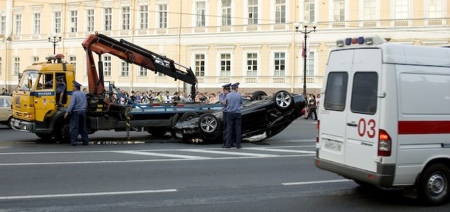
(252, 64)
(339, 10)
(310, 64)
(90, 20)
(142, 72)
(107, 65)
(57, 16)
(16, 65)
(34, 59)
(252, 11)
(310, 9)
(73, 61)
(226, 12)
(162, 16)
(125, 18)
(125, 69)
(401, 9)
(36, 23)
(370, 7)
(73, 21)
(280, 64)
(200, 65)
(435, 9)
(108, 18)
(18, 24)
(143, 17)
(3, 23)
(201, 14)
(280, 11)
(225, 65)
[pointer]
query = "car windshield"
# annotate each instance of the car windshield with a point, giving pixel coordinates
(23, 84)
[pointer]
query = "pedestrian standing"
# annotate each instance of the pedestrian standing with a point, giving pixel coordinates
(77, 111)
(234, 116)
(312, 107)
(226, 90)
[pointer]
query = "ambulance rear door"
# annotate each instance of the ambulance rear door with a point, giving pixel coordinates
(362, 123)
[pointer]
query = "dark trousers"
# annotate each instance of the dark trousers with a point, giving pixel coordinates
(311, 111)
(234, 129)
(78, 127)
(224, 127)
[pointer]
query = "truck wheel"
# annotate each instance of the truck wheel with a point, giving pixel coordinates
(433, 185)
(9, 123)
(61, 132)
(44, 137)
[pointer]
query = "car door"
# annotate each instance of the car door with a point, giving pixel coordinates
(362, 121)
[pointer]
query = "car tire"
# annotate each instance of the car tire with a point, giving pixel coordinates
(433, 186)
(259, 95)
(210, 127)
(283, 100)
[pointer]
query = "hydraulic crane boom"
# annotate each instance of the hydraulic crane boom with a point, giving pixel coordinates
(131, 53)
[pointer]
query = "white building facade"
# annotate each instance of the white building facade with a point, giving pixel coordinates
(254, 42)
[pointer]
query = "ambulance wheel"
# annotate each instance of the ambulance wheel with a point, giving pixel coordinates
(433, 185)
(283, 100)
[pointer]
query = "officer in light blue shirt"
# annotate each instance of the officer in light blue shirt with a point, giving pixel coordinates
(234, 117)
(60, 90)
(77, 111)
(226, 90)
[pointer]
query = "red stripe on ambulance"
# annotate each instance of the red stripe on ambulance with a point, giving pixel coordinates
(423, 127)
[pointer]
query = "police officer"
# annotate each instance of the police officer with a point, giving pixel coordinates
(234, 117)
(77, 111)
(60, 89)
(226, 90)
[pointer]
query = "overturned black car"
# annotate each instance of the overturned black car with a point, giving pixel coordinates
(261, 119)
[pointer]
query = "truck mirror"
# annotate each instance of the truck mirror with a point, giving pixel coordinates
(30, 82)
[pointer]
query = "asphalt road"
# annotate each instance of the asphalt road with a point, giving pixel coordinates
(149, 174)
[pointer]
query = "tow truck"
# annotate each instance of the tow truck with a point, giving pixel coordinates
(35, 102)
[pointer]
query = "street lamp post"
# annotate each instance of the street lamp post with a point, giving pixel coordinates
(54, 39)
(305, 33)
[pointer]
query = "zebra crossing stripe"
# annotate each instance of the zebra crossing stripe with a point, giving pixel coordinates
(283, 150)
(227, 153)
(162, 155)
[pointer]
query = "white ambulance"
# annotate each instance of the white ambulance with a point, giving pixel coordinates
(384, 118)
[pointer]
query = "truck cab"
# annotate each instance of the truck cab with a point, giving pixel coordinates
(35, 99)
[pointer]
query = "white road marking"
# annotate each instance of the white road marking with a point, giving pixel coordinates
(284, 150)
(227, 153)
(85, 194)
(161, 154)
(316, 182)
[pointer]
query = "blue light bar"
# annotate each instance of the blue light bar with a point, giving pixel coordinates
(361, 40)
(348, 41)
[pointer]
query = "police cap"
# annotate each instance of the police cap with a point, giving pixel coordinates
(235, 85)
(60, 78)
(226, 86)
(76, 84)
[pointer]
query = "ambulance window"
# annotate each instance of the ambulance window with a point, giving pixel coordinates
(364, 93)
(336, 91)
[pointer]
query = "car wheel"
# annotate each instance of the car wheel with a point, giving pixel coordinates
(283, 100)
(208, 123)
(258, 95)
(433, 185)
